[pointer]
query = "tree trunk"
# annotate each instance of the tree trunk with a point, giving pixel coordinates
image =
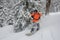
(48, 2)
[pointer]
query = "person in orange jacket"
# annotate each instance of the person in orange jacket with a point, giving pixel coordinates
(36, 17)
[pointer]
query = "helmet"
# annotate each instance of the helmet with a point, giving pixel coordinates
(35, 10)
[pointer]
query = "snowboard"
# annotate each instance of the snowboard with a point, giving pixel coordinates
(31, 33)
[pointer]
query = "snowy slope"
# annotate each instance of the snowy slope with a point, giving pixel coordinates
(50, 25)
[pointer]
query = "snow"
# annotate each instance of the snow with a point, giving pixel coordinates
(49, 30)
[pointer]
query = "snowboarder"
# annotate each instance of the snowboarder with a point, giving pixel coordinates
(35, 20)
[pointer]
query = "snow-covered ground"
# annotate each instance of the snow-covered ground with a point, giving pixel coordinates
(50, 30)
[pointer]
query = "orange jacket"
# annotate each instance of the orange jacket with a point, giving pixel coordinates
(36, 16)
